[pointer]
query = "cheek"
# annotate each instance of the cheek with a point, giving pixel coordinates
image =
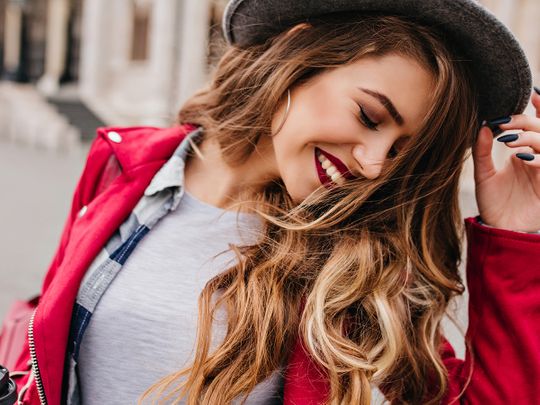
(330, 119)
(293, 158)
(320, 107)
(296, 167)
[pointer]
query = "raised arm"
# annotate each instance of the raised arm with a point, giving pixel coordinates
(503, 276)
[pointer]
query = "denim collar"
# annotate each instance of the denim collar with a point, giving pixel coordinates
(171, 174)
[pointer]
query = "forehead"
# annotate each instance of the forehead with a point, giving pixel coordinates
(403, 80)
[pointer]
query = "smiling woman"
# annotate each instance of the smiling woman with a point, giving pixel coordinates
(355, 184)
(360, 127)
(360, 105)
(296, 239)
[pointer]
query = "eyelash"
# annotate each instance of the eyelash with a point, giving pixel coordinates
(366, 121)
(373, 125)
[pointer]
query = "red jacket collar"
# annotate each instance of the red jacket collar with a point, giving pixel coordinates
(141, 145)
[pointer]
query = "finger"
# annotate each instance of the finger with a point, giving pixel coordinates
(483, 161)
(535, 99)
(525, 122)
(529, 159)
(527, 138)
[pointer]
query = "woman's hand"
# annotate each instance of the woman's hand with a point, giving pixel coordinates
(509, 198)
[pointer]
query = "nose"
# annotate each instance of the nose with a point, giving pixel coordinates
(371, 159)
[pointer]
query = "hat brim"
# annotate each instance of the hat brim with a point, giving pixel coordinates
(495, 57)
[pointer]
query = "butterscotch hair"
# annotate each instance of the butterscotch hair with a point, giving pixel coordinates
(363, 274)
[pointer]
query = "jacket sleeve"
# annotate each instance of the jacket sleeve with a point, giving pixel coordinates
(503, 277)
(100, 169)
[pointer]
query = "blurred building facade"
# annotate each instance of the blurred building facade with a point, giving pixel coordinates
(133, 62)
(127, 62)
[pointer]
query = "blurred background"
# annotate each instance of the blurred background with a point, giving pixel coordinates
(69, 66)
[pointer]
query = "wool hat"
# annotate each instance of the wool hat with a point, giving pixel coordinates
(496, 59)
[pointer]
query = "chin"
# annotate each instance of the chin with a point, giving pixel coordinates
(298, 199)
(299, 187)
(298, 195)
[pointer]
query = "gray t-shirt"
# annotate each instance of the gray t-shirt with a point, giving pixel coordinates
(144, 326)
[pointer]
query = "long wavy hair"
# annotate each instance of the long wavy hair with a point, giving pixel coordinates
(363, 274)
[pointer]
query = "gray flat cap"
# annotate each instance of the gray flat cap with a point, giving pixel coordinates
(497, 61)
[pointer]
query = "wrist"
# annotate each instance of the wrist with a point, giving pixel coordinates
(481, 222)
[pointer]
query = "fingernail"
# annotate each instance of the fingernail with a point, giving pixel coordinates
(508, 138)
(499, 121)
(537, 89)
(525, 156)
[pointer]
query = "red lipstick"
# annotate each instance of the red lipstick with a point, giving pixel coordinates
(323, 177)
(338, 164)
(342, 168)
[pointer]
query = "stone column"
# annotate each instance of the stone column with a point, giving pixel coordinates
(56, 46)
(97, 26)
(12, 39)
(195, 15)
(162, 54)
(119, 33)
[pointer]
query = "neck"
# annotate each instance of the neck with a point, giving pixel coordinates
(211, 180)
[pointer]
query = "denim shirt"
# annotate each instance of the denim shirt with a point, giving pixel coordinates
(161, 197)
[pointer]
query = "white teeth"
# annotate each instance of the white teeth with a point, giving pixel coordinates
(331, 170)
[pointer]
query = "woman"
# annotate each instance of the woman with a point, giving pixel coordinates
(306, 209)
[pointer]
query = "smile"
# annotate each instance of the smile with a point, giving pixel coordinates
(330, 169)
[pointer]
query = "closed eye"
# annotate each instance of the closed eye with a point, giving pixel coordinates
(366, 121)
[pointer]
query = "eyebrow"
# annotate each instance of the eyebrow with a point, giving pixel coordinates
(385, 101)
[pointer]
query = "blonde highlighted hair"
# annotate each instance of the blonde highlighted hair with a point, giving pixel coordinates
(363, 275)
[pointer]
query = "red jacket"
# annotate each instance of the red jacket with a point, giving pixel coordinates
(503, 276)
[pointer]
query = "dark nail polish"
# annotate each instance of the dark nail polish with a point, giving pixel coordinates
(537, 89)
(525, 156)
(499, 121)
(508, 138)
